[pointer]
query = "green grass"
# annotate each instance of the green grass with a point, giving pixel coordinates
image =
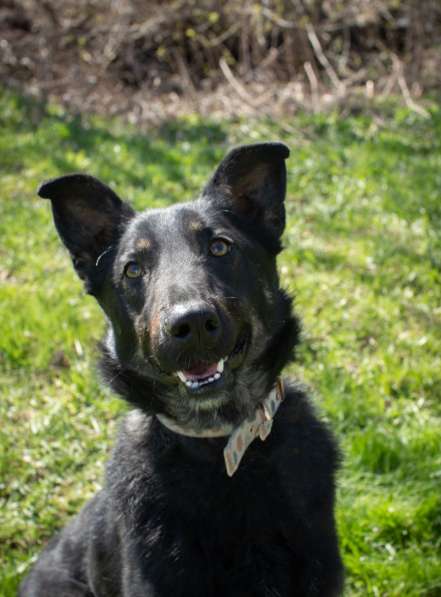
(363, 257)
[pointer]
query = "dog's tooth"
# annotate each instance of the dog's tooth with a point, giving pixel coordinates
(216, 376)
(181, 376)
(220, 366)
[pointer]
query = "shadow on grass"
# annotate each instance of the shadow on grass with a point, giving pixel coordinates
(168, 147)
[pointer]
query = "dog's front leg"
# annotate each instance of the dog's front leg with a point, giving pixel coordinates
(136, 586)
(172, 571)
(315, 563)
(302, 566)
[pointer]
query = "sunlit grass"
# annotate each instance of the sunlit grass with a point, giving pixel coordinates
(363, 256)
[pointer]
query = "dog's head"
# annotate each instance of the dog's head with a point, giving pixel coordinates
(199, 328)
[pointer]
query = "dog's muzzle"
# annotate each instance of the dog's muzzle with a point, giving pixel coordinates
(194, 339)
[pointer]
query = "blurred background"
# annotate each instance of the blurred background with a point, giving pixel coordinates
(148, 59)
(149, 96)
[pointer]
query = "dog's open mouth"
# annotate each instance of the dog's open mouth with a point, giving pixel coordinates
(202, 375)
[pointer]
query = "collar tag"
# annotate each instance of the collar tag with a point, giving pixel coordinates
(258, 426)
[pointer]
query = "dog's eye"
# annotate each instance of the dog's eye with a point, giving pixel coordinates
(132, 270)
(220, 247)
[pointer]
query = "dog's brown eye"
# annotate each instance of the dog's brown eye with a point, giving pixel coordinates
(220, 247)
(133, 270)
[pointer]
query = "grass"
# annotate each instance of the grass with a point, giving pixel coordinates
(363, 257)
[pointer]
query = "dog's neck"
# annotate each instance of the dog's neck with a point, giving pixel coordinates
(240, 437)
(219, 431)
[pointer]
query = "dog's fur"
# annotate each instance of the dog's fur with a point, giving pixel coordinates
(169, 521)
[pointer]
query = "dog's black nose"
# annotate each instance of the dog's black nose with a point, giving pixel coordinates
(196, 323)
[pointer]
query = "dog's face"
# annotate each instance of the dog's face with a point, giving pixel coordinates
(191, 292)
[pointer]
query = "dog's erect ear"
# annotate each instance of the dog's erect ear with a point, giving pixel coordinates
(251, 180)
(88, 216)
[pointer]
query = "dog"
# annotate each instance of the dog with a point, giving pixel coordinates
(222, 480)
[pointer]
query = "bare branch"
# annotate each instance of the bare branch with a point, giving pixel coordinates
(321, 57)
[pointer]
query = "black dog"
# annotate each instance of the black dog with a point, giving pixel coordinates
(199, 332)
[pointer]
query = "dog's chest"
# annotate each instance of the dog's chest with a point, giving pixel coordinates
(185, 514)
(222, 525)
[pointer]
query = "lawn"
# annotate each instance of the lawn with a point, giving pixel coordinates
(363, 258)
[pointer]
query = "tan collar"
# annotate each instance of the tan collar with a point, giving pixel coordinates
(241, 437)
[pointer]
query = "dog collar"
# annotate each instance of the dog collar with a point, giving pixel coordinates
(241, 437)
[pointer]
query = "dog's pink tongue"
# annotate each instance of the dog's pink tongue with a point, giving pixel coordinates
(201, 371)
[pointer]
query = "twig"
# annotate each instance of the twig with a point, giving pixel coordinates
(410, 103)
(269, 59)
(317, 47)
(185, 75)
(389, 85)
(283, 23)
(239, 88)
(312, 78)
(408, 98)
(218, 40)
(370, 89)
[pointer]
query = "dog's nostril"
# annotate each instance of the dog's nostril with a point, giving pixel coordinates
(211, 325)
(193, 322)
(181, 331)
